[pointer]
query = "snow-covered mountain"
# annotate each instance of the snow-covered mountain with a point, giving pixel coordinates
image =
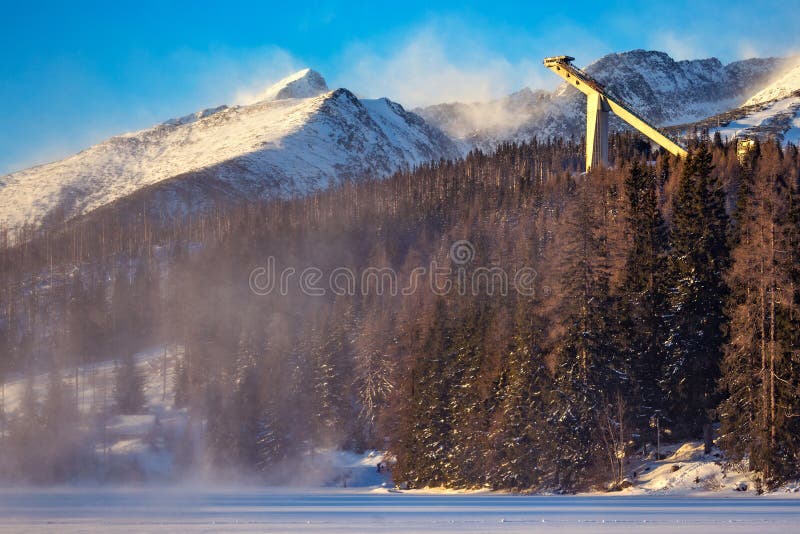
(296, 138)
(771, 112)
(659, 88)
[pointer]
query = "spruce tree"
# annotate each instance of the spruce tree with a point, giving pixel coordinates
(465, 408)
(643, 293)
(424, 441)
(271, 445)
(374, 367)
(591, 367)
(697, 263)
(330, 360)
(128, 386)
(60, 427)
(220, 426)
(521, 434)
(247, 415)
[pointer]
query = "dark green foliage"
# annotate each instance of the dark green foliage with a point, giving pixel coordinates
(591, 365)
(466, 408)
(522, 429)
(425, 434)
(643, 296)
(697, 265)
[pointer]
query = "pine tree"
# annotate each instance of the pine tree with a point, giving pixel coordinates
(60, 431)
(271, 445)
(591, 367)
(181, 383)
(466, 407)
(424, 439)
(521, 433)
(643, 293)
(760, 367)
(697, 264)
(374, 369)
(587, 297)
(128, 386)
(248, 417)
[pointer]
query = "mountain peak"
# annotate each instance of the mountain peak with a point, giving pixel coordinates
(304, 83)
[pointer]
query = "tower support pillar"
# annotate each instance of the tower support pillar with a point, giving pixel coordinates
(596, 130)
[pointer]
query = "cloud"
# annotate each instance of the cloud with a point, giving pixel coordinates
(275, 66)
(678, 46)
(429, 66)
(226, 75)
(748, 49)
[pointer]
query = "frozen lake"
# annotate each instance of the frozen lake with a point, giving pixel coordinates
(331, 510)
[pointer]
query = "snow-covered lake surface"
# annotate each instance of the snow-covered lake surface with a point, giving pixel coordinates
(188, 509)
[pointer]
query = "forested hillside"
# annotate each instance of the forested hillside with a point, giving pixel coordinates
(656, 287)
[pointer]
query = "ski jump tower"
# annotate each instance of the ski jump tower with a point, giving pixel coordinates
(598, 104)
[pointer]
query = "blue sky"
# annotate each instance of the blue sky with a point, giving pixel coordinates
(75, 73)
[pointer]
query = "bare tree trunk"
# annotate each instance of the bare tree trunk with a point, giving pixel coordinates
(772, 341)
(762, 321)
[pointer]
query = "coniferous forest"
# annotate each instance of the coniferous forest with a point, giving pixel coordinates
(657, 287)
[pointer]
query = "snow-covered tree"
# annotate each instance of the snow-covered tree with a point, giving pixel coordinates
(697, 264)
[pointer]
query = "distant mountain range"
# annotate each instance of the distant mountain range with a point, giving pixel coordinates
(297, 136)
(662, 90)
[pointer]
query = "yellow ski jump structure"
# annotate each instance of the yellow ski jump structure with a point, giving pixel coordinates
(598, 104)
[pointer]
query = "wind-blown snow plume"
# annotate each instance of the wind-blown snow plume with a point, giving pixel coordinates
(785, 84)
(424, 70)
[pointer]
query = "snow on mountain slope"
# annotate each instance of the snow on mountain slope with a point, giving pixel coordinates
(779, 119)
(281, 145)
(192, 117)
(792, 135)
(786, 85)
(662, 90)
(409, 134)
